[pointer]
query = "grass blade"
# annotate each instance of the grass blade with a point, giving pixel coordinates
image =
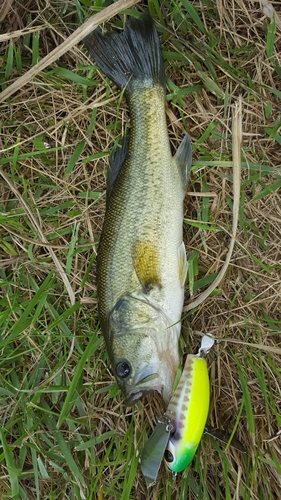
(12, 469)
(92, 346)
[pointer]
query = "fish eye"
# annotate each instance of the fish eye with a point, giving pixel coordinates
(123, 369)
(169, 457)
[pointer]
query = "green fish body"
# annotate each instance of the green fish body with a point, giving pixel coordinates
(141, 260)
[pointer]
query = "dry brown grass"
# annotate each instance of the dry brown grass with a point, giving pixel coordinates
(51, 111)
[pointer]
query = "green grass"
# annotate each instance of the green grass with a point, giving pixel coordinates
(65, 431)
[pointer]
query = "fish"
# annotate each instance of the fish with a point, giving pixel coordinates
(141, 261)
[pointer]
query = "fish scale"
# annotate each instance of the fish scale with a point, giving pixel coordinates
(139, 193)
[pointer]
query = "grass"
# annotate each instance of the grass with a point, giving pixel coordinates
(65, 432)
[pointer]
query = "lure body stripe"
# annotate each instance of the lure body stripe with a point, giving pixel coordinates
(188, 411)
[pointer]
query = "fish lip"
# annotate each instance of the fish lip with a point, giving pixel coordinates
(133, 397)
(143, 379)
(138, 389)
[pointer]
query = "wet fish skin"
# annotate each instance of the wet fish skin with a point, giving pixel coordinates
(141, 260)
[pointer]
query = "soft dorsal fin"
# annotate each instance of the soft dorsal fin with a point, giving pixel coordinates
(116, 162)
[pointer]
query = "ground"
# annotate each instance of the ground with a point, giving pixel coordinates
(66, 433)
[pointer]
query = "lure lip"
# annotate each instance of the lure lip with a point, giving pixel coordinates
(153, 451)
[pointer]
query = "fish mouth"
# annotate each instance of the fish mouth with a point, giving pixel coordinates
(142, 387)
(136, 396)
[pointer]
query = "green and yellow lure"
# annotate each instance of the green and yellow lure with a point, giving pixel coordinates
(178, 432)
(188, 411)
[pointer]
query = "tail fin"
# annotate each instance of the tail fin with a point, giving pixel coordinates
(134, 54)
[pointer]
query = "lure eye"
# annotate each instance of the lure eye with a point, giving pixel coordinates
(123, 369)
(169, 457)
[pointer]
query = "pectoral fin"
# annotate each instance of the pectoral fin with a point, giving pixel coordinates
(117, 160)
(183, 264)
(146, 264)
(183, 158)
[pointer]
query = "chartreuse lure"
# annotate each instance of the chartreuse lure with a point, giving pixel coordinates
(188, 411)
(178, 432)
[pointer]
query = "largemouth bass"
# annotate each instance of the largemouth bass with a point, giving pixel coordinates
(141, 262)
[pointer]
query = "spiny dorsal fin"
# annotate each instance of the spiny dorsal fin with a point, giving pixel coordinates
(183, 264)
(183, 158)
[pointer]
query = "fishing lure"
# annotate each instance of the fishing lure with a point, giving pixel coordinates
(178, 433)
(188, 411)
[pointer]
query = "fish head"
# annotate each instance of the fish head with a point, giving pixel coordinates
(143, 348)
